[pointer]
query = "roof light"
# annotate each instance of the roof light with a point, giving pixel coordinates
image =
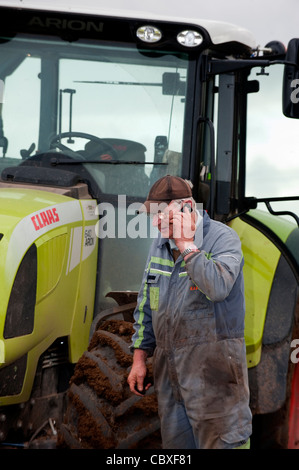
(149, 34)
(189, 38)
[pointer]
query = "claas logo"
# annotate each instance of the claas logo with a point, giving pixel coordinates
(44, 218)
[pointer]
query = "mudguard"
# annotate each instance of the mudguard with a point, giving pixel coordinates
(271, 293)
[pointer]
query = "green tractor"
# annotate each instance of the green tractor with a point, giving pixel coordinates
(95, 106)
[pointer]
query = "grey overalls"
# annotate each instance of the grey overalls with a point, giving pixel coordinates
(191, 317)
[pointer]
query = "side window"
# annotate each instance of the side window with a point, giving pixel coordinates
(272, 164)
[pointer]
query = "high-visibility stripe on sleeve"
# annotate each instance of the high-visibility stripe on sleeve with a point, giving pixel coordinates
(141, 318)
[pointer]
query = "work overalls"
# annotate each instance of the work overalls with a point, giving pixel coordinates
(191, 317)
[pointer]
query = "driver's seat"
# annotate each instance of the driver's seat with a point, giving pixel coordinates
(121, 179)
(121, 149)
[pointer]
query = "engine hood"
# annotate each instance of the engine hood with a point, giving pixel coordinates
(15, 204)
(25, 216)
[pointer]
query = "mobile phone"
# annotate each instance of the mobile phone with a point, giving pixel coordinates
(186, 205)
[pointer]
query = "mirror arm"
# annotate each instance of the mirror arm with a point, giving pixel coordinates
(224, 66)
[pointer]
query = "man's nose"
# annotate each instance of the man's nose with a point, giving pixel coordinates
(155, 220)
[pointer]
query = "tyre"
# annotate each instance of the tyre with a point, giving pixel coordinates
(102, 413)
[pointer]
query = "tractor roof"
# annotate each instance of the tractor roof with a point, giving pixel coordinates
(219, 32)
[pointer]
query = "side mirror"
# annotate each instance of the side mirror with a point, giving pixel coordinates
(290, 92)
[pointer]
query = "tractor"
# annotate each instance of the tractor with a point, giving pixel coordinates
(96, 104)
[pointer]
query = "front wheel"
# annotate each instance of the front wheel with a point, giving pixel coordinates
(102, 413)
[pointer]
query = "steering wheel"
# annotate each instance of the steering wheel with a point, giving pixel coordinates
(55, 142)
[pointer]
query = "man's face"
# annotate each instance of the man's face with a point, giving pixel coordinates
(164, 220)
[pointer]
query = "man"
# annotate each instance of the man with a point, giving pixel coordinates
(190, 315)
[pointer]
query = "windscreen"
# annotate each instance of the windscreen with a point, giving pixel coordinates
(116, 109)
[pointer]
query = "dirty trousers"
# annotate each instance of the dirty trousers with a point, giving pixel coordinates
(177, 432)
(200, 409)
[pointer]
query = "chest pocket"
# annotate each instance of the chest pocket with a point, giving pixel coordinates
(196, 300)
(154, 290)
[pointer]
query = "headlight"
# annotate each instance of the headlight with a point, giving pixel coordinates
(189, 38)
(149, 34)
